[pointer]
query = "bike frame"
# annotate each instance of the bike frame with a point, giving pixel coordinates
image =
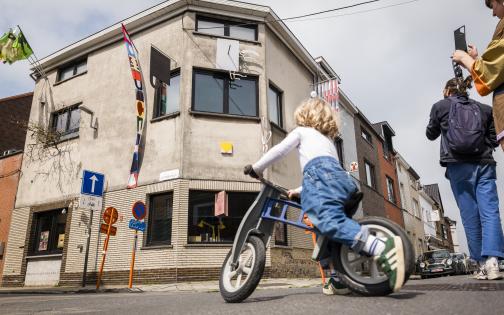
(260, 218)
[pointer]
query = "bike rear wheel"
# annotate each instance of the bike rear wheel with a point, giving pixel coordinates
(238, 283)
(361, 273)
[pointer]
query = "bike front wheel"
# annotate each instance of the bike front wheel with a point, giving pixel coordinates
(238, 283)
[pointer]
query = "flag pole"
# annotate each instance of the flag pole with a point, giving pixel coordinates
(35, 62)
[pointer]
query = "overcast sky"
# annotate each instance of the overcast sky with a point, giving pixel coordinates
(393, 62)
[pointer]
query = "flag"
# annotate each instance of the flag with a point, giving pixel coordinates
(136, 73)
(329, 91)
(14, 47)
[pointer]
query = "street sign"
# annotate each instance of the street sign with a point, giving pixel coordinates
(110, 214)
(137, 225)
(104, 229)
(90, 202)
(138, 210)
(92, 183)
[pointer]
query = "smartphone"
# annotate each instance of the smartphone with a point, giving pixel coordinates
(460, 39)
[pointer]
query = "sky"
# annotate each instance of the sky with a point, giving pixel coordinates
(393, 61)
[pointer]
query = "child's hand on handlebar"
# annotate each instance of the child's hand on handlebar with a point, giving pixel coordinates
(249, 170)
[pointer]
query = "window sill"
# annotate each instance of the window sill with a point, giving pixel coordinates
(254, 42)
(225, 116)
(156, 247)
(68, 137)
(167, 116)
(367, 141)
(218, 245)
(42, 256)
(282, 246)
(68, 79)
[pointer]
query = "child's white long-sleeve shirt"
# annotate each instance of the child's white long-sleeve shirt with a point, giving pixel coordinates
(310, 144)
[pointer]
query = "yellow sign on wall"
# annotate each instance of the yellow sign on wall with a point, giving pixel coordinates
(226, 147)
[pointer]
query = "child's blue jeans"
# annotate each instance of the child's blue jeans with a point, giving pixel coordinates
(475, 191)
(326, 187)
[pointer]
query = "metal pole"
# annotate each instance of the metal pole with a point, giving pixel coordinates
(84, 275)
(132, 267)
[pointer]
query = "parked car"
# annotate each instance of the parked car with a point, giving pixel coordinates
(463, 264)
(436, 263)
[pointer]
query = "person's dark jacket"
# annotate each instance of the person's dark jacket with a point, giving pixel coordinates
(438, 125)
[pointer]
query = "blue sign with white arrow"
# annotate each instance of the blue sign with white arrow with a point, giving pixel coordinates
(92, 183)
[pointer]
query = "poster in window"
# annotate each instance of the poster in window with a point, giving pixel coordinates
(44, 240)
(280, 233)
(221, 204)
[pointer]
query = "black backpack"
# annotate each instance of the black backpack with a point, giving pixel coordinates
(466, 132)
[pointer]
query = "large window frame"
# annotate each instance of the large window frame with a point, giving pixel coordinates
(204, 227)
(46, 237)
(277, 93)
(390, 190)
(224, 76)
(366, 136)
(65, 116)
(153, 239)
(369, 169)
(227, 26)
(175, 76)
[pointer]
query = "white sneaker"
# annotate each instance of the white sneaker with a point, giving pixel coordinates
(492, 269)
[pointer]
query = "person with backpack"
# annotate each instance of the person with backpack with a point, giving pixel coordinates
(468, 140)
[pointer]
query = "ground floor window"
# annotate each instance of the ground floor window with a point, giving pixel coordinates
(48, 232)
(160, 219)
(205, 227)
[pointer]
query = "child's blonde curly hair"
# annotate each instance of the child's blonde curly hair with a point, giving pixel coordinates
(318, 114)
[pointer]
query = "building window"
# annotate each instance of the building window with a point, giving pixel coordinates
(160, 219)
(416, 208)
(275, 105)
(366, 135)
(215, 92)
(205, 227)
(338, 143)
(66, 121)
(49, 229)
(167, 97)
(390, 190)
(72, 70)
(370, 176)
(243, 30)
(281, 234)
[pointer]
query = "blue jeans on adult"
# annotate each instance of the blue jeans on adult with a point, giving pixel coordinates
(326, 187)
(475, 191)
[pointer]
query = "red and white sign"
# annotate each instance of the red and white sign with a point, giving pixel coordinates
(221, 204)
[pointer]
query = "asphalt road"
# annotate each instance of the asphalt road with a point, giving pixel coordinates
(439, 296)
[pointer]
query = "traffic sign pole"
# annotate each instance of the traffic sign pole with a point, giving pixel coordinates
(110, 215)
(84, 274)
(132, 267)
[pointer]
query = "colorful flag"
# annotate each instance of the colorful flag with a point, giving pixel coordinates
(14, 47)
(136, 73)
(329, 91)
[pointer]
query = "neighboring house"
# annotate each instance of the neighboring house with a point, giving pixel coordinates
(14, 113)
(346, 144)
(92, 106)
(368, 142)
(430, 210)
(442, 223)
(409, 186)
(388, 175)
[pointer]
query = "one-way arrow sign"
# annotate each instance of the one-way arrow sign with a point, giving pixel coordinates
(92, 183)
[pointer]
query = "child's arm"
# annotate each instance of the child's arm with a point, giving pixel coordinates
(277, 152)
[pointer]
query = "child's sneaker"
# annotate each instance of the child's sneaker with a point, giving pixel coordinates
(335, 287)
(391, 261)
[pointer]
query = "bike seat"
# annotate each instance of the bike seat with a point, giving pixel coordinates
(352, 203)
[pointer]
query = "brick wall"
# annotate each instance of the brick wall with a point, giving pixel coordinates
(10, 167)
(14, 109)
